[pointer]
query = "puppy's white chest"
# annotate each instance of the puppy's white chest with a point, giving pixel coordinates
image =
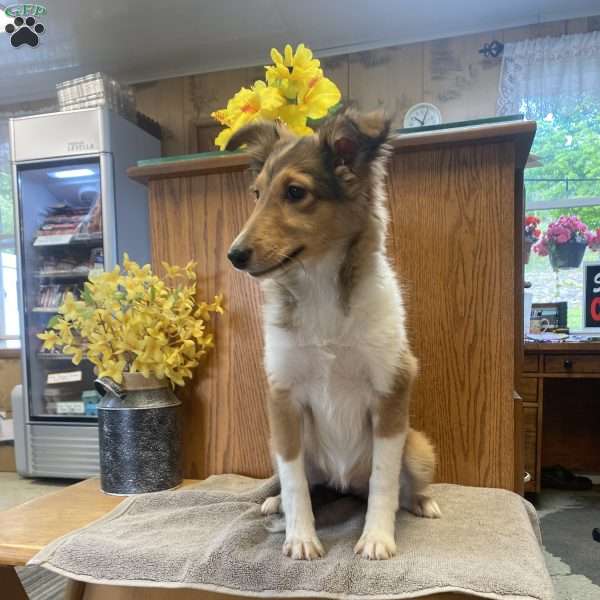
(332, 370)
(330, 378)
(322, 353)
(335, 363)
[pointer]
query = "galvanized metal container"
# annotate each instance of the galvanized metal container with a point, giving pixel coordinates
(139, 426)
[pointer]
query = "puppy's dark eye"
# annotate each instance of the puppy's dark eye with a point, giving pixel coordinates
(295, 193)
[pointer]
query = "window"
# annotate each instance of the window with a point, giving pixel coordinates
(556, 81)
(567, 183)
(9, 306)
(9, 309)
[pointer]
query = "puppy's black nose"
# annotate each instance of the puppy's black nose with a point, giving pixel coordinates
(240, 257)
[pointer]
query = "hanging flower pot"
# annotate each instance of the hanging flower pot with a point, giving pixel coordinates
(567, 256)
(564, 242)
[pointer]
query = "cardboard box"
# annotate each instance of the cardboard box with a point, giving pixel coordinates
(7, 457)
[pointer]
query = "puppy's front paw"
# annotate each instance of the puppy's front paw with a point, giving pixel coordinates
(303, 547)
(376, 545)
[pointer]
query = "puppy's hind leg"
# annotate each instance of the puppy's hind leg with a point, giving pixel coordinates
(271, 505)
(418, 468)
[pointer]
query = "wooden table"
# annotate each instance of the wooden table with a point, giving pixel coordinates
(26, 529)
(560, 387)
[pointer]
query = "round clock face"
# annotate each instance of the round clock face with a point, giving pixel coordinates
(422, 114)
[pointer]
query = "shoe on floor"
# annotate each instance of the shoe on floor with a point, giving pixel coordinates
(560, 478)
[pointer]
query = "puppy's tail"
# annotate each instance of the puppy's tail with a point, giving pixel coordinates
(419, 461)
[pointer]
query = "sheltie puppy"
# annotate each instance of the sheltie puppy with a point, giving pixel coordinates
(337, 357)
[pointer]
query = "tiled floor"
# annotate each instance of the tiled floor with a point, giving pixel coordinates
(15, 489)
(567, 520)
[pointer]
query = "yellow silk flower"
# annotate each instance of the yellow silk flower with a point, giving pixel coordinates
(246, 106)
(296, 90)
(292, 70)
(130, 320)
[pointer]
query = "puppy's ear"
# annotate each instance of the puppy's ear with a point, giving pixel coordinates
(260, 137)
(355, 140)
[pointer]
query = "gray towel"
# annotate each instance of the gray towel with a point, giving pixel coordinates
(213, 537)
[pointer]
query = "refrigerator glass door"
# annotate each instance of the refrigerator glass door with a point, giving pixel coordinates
(61, 234)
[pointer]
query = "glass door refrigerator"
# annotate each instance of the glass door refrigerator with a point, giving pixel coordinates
(76, 212)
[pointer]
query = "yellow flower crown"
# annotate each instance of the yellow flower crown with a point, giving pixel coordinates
(295, 91)
(133, 321)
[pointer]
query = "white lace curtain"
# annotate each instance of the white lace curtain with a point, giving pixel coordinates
(546, 75)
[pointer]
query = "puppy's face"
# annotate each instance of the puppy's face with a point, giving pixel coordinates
(309, 192)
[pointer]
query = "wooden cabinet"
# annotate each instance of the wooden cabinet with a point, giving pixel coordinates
(577, 364)
(530, 363)
(560, 385)
(455, 240)
(530, 444)
(527, 389)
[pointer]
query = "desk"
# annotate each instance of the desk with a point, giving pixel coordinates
(26, 529)
(560, 388)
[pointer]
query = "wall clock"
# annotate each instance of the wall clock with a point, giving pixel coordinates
(422, 114)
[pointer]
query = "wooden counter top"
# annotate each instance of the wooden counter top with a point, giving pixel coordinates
(562, 347)
(521, 131)
(27, 528)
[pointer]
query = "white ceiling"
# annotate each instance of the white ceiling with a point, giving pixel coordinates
(138, 40)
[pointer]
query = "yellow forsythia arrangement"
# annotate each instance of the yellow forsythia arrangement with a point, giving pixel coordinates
(295, 91)
(131, 320)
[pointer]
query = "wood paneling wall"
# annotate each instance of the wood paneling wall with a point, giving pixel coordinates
(448, 72)
(457, 202)
(225, 421)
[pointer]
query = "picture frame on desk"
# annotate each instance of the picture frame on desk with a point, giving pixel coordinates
(590, 301)
(554, 312)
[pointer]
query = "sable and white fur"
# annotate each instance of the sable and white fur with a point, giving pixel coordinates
(337, 356)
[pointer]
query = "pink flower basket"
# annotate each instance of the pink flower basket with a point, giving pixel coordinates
(564, 242)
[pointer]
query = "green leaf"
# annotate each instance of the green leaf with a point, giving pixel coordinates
(578, 162)
(87, 297)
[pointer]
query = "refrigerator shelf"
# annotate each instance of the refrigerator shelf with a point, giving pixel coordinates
(78, 239)
(44, 309)
(63, 275)
(68, 417)
(52, 356)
